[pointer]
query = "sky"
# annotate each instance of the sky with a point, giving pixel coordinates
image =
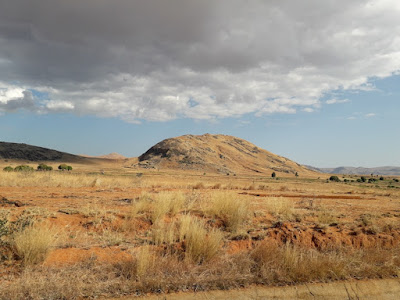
(315, 81)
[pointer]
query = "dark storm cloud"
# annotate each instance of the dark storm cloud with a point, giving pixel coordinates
(160, 60)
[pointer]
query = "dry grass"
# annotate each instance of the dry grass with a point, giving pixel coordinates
(291, 264)
(145, 260)
(186, 249)
(282, 208)
(232, 210)
(33, 243)
(164, 233)
(201, 246)
(151, 272)
(167, 203)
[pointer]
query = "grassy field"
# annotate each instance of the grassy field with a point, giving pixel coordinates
(122, 231)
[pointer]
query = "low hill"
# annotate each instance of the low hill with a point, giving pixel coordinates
(217, 153)
(387, 170)
(16, 151)
(113, 155)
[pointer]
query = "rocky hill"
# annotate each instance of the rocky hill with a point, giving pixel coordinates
(16, 151)
(217, 153)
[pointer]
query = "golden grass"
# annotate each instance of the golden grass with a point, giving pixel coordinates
(200, 245)
(187, 251)
(231, 209)
(151, 272)
(33, 243)
(145, 260)
(164, 233)
(280, 207)
(166, 203)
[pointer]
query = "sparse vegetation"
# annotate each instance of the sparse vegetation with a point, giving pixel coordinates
(129, 235)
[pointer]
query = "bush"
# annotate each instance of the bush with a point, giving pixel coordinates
(64, 167)
(395, 180)
(43, 167)
(8, 169)
(381, 178)
(273, 175)
(23, 168)
(334, 178)
(363, 179)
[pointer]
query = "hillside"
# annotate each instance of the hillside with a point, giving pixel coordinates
(113, 155)
(16, 151)
(217, 153)
(387, 170)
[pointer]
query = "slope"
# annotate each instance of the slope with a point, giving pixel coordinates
(217, 153)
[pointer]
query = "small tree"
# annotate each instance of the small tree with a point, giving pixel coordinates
(273, 175)
(381, 178)
(69, 168)
(297, 174)
(334, 178)
(363, 179)
(63, 167)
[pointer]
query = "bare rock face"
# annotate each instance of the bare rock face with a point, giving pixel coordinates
(216, 153)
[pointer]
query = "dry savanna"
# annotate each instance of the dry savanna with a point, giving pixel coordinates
(193, 213)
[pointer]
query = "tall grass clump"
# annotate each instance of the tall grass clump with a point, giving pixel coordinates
(291, 264)
(164, 233)
(200, 245)
(167, 203)
(33, 243)
(144, 260)
(230, 209)
(280, 207)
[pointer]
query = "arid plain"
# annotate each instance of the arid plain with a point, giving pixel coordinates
(178, 220)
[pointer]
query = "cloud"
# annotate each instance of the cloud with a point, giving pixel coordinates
(162, 60)
(13, 99)
(370, 115)
(336, 101)
(360, 115)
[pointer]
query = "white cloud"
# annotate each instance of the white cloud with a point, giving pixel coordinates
(59, 105)
(160, 61)
(336, 101)
(370, 115)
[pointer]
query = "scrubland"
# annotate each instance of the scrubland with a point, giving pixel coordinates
(83, 234)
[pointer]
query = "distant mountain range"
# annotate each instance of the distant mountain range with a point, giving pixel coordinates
(387, 170)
